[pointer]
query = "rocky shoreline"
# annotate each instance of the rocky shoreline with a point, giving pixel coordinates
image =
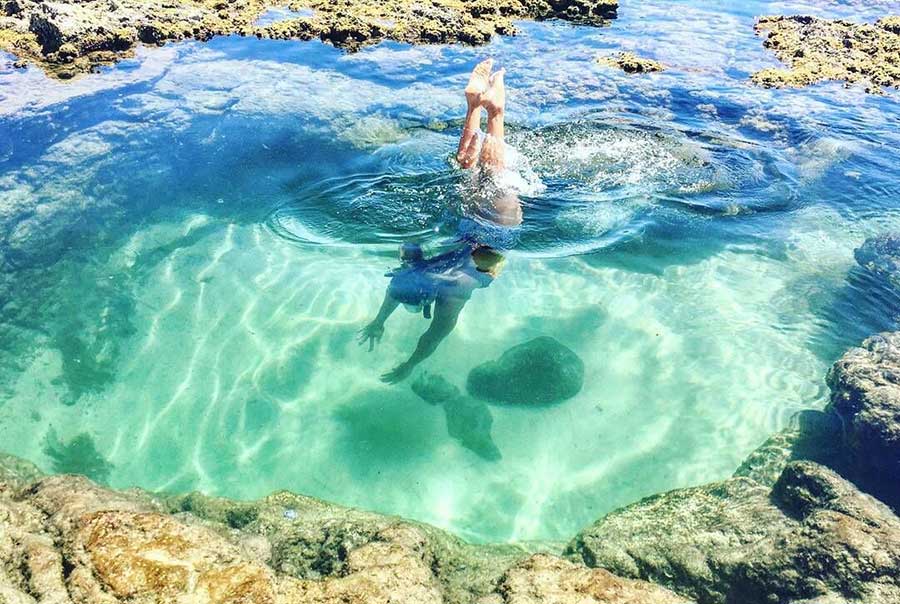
(816, 50)
(810, 517)
(67, 38)
(65, 539)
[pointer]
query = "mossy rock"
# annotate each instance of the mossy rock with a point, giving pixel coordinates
(541, 371)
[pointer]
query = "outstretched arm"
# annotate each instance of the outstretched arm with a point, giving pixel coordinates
(372, 332)
(446, 312)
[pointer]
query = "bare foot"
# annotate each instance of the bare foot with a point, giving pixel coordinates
(478, 82)
(494, 98)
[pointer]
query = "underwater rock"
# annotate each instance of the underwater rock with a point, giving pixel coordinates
(433, 388)
(68, 38)
(812, 535)
(631, 63)
(880, 256)
(865, 395)
(65, 539)
(468, 421)
(18, 472)
(869, 300)
(538, 372)
(816, 50)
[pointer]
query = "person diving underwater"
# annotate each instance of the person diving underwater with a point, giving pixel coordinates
(446, 282)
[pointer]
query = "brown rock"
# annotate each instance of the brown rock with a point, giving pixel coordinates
(544, 579)
(65, 539)
(95, 32)
(631, 63)
(816, 50)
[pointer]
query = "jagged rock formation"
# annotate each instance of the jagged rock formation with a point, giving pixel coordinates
(71, 37)
(812, 535)
(865, 385)
(631, 63)
(65, 540)
(816, 50)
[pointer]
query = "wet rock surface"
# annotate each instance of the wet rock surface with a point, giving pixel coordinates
(880, 256)
(538, 372)
(631, 63)
(813, 535)
(544, 579)
(816, 50)
(64, 539)
(67, 37)
(865, 385)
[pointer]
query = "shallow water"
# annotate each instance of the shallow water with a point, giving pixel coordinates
(189, 242)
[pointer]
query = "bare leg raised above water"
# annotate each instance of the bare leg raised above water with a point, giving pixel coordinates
(494, 101)
(506, 207)
(470, 141)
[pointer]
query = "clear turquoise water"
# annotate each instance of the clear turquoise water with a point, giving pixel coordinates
(190, 240)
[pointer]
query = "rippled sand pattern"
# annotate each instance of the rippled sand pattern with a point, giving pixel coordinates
(243, 377)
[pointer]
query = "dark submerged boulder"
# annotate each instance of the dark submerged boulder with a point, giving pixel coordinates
(880, 255)
(869, 301)
(539, 372)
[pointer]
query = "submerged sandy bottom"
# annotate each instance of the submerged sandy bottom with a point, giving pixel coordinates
(243, 376)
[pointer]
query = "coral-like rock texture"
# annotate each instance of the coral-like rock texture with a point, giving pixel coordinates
(65, 540)
(631, 63)
(865, 394)
(543, 579)
(68, 37)
(812, 535)
(880, 255)
(817, 50)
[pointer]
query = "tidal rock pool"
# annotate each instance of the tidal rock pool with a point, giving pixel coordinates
(191, 239)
